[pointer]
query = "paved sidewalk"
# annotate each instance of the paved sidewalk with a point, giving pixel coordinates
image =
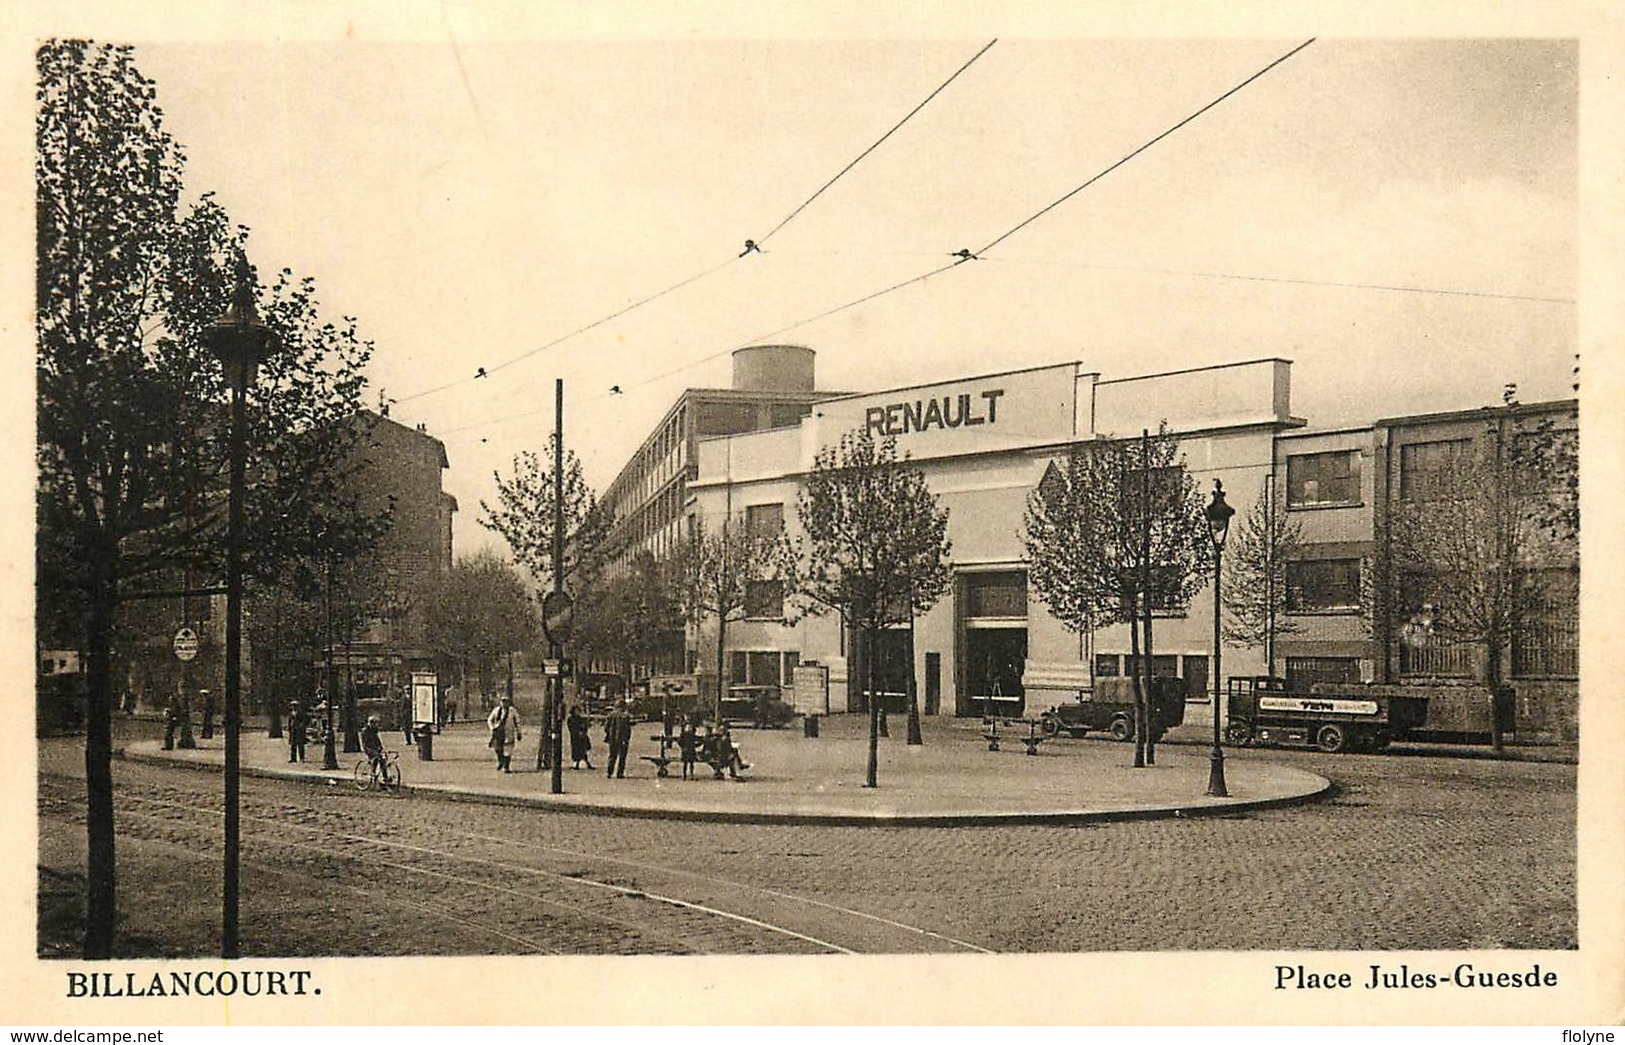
(952, 778)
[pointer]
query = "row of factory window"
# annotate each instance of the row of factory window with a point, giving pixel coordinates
(1426, 470)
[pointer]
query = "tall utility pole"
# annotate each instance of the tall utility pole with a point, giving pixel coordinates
(555, 649)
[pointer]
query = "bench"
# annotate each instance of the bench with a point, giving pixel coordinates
(1035, 736)
(663, 761)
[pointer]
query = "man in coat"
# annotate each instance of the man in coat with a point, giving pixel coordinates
(618, 737)
(505, 736)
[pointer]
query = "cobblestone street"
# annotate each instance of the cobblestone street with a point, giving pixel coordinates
(1411, 852)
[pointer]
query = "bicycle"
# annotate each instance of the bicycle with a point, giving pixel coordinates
(386, 773)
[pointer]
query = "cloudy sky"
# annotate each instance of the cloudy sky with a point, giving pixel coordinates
(473, 199)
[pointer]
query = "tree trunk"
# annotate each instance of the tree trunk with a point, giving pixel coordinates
(101, 909)
(870, 778)
(1150, 690)
(1492, 680)
(1139, 691)
(915, 737)
(722, 641)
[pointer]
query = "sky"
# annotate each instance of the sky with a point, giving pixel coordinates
(472, 200)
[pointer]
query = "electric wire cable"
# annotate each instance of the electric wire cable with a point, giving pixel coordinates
(751, 247)
(1210, 105)
(1396, 287)
(962, 256)
(876, 144)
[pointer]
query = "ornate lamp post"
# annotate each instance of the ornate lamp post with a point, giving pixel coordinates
(241, 341)
(1218, 521)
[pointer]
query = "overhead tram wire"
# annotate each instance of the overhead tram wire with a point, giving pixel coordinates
(962, 256)
(879, 140)
(1395, 287)
(485, 371)
(751, 247)
(1045, 210)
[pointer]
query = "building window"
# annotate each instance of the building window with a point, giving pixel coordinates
(764, 600)
(1163, 666)
(996, 595)
(1197, 686)
(764, 520)
(1428, 470)
(1323, 586)
(1304, 672)
(1319, 480)
(1108, 665)
(737, 668)
(1547, 642)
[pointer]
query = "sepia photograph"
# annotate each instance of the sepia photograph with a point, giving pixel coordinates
(529, 500)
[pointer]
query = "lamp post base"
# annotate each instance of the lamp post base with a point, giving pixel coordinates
(330, 758)
(1215, 774)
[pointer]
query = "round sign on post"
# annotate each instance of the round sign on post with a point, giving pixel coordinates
(558, 615)
(186, 644)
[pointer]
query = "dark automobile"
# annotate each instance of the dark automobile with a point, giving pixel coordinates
(1111, 710)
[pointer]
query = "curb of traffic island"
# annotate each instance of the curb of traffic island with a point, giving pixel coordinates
(568, 804)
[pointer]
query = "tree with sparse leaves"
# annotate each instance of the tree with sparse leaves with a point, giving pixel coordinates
(524, 518)
(1255, 578)
(1470, 540)
(875, 549)
(1111, 534)
(728, 574)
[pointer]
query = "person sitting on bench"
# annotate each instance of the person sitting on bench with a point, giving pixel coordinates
(727, 756)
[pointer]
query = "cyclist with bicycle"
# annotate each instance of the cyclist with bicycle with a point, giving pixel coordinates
(373, 745)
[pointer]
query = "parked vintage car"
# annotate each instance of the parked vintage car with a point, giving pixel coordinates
(1110, 709)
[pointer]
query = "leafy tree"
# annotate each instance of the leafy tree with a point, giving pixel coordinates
(876, 549)
(1468, 542)
(1255, 561)
(630, 619)
(524, 518)
(720, 574)
(481, 612)
(131, 405)
(1114, 534)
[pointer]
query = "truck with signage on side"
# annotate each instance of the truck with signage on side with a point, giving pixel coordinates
(1331, 717)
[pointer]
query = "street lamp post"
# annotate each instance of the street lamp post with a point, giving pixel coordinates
(1218, 521)
(240, 340)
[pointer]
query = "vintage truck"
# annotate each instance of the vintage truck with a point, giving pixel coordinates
(1331, 716)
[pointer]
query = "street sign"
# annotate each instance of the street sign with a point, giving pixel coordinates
(551, 668)
(186, 644)
(425, 690)
(558, 615)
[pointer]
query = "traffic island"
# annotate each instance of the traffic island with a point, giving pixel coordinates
(952, 779)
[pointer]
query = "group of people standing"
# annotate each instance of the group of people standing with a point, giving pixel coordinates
(713, 746)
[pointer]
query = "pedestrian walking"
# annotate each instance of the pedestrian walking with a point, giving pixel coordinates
(505, 734)
(617, 737)
(298, 723)
(208, 715)
(688, 743)
(580, 739)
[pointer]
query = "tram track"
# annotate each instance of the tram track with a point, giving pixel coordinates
(577, 900)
